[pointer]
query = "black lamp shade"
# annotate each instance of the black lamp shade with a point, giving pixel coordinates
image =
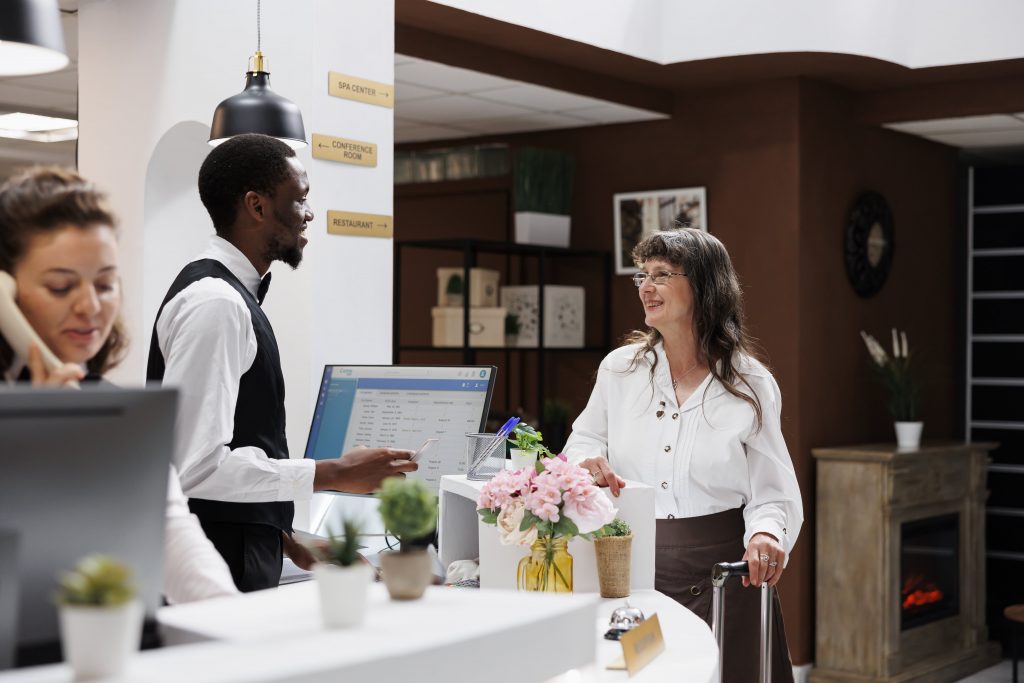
(31, 38)
(258, 109)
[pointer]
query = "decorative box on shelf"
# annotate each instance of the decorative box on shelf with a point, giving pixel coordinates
(563, 315)
(486, 326)
(483, 287)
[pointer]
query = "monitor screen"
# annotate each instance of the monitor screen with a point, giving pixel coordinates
(83, 472)
(401, 406)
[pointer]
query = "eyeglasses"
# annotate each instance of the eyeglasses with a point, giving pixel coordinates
(658, 278)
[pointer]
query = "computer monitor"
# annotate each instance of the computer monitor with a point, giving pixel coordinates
(400, 406)
(83, 472)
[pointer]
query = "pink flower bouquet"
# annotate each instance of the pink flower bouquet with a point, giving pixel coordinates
(556, 499)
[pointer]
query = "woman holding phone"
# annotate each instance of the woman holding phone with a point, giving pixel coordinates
(59, 245)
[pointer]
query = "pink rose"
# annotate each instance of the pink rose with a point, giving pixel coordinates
(589, 512)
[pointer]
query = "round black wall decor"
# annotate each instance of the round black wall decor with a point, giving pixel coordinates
(868, 245)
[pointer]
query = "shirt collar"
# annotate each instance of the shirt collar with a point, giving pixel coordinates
(663, 380)
(219, 249)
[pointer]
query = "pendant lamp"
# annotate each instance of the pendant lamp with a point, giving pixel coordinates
(258, 109)
(31, 38)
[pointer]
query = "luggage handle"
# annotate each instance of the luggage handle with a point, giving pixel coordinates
(720, 573)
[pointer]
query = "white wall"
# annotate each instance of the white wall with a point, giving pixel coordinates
(150, 76)
(914, 33)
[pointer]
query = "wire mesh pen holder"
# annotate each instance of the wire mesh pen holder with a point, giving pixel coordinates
(485, 456)
(720, 573)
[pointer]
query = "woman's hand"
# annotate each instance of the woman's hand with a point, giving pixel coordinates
(603, 474)
(765, 558)
(67, 375)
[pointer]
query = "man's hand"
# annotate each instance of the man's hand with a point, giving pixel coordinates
(362, 469)
(603, 474)
(302, 556)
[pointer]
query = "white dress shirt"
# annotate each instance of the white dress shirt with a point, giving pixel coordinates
(207, 340)
(193, 569)
(703, 457)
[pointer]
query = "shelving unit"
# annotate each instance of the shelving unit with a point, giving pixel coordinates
(994, 376)
(469, 250)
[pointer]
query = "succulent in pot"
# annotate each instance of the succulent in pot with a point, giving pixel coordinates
(409, 511)
(343, 577)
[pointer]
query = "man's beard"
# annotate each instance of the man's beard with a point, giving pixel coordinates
(284, 247)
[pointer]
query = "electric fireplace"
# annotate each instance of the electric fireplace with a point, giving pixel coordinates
(900, 572)
(929, 570)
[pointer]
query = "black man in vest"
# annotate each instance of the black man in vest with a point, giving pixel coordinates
(213, 342)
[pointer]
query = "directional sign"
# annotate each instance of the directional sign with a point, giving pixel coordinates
(346, 151)
(360, 89)
(361, 224)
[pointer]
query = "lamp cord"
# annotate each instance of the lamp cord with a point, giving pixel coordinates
(259, 35)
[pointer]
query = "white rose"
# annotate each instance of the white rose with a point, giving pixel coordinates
(509, 519)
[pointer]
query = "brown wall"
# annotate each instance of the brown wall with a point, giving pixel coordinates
(782, 162)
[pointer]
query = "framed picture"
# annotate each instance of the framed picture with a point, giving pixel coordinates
(638, 214)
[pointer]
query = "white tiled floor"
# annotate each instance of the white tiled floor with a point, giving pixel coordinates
(1000, 673)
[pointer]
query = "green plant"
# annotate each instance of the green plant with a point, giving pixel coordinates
(543, 180)
(512, 324)
(454, 285)
(97, 581)
(526, 438)
(342, 551)
(616, 527)
(895, 374)
(408, 508)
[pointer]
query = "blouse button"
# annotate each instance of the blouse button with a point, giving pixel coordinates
(675, 416)
(671, 516)
(664, 484)
(668, 448)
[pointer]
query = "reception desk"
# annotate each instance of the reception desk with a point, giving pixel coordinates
(452, 634)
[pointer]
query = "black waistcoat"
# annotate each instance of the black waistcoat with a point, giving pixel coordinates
(259, 412)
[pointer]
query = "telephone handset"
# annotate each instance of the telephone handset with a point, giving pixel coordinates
(16, 329)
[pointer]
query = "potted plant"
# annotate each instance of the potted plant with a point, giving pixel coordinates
(527, 446)
(512, 328)
(895, 374)
(100, 617)
(613, 545)
(543, 508)
(343, 577)
(453, 291)
(409, 511)
(543, 194)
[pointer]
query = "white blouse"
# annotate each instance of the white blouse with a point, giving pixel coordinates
(703, 457)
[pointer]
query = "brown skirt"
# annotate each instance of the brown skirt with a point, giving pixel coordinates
(685, 551)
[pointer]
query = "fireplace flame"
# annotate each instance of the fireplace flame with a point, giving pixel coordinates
(919, 591)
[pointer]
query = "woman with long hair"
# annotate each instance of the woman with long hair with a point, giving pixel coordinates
(686, 407)
(59, 243)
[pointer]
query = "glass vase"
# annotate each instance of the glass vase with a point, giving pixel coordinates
(548, 567)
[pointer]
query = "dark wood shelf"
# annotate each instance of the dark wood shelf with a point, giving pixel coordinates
(500, 183)
(546, 349)
(494, 247)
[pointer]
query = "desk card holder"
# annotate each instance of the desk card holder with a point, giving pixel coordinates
(640, 645)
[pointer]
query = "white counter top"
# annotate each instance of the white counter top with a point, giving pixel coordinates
(452, 634)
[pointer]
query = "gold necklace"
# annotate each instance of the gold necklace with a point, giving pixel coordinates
(676, 380)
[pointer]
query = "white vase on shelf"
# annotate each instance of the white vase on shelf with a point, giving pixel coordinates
(908, 435)
(98, 641)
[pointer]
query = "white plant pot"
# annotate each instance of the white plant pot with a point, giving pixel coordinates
(97, 641)
(521, 459)
(908, 435)
(343, 592)
(542, 228)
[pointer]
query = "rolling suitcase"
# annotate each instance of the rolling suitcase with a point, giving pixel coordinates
(721, 573)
